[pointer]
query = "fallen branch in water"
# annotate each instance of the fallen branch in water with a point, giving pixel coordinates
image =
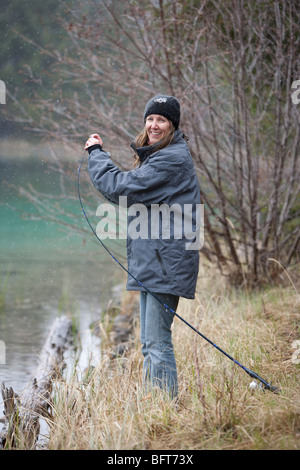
(22, 413)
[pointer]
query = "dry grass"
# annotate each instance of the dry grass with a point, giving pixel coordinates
(216, 408)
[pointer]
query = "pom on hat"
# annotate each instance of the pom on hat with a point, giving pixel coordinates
(167, 106)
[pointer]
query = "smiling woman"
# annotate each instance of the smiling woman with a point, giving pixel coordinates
(164, 177)
(157, 128)
(163, 140)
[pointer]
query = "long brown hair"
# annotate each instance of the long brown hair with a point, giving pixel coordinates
(142, 140)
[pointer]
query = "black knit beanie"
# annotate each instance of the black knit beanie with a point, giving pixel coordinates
(167, 106)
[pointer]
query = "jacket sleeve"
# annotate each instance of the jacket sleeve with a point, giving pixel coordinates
(147, 184)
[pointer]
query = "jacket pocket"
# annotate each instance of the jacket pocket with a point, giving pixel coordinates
(159, 259)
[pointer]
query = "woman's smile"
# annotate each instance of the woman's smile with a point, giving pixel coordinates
(157, 128)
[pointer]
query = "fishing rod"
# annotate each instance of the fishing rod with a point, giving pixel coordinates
(264, 383)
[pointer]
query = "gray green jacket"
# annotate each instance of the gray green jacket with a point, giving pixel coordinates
(162, 194)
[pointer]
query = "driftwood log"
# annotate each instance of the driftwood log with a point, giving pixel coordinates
(22, 413)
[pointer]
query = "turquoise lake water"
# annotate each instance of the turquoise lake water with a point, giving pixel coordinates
(45, 270)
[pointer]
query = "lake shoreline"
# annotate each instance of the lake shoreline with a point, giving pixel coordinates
(47, 268)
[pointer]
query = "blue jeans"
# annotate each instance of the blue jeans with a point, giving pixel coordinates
(159, 360)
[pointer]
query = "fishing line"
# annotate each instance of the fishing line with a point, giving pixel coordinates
(252, 374)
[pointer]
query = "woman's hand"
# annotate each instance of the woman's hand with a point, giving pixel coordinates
(94, 139)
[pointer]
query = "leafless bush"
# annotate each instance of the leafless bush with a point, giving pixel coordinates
(232, 65)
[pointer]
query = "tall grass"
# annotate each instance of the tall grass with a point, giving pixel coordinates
(216, 409)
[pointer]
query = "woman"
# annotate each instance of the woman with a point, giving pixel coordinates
(164, 187)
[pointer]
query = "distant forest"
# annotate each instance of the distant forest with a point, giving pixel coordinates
(27, 27)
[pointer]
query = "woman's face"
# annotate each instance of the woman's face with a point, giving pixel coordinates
(157, 128)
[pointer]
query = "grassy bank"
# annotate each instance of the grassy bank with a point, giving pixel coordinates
(216, 407)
